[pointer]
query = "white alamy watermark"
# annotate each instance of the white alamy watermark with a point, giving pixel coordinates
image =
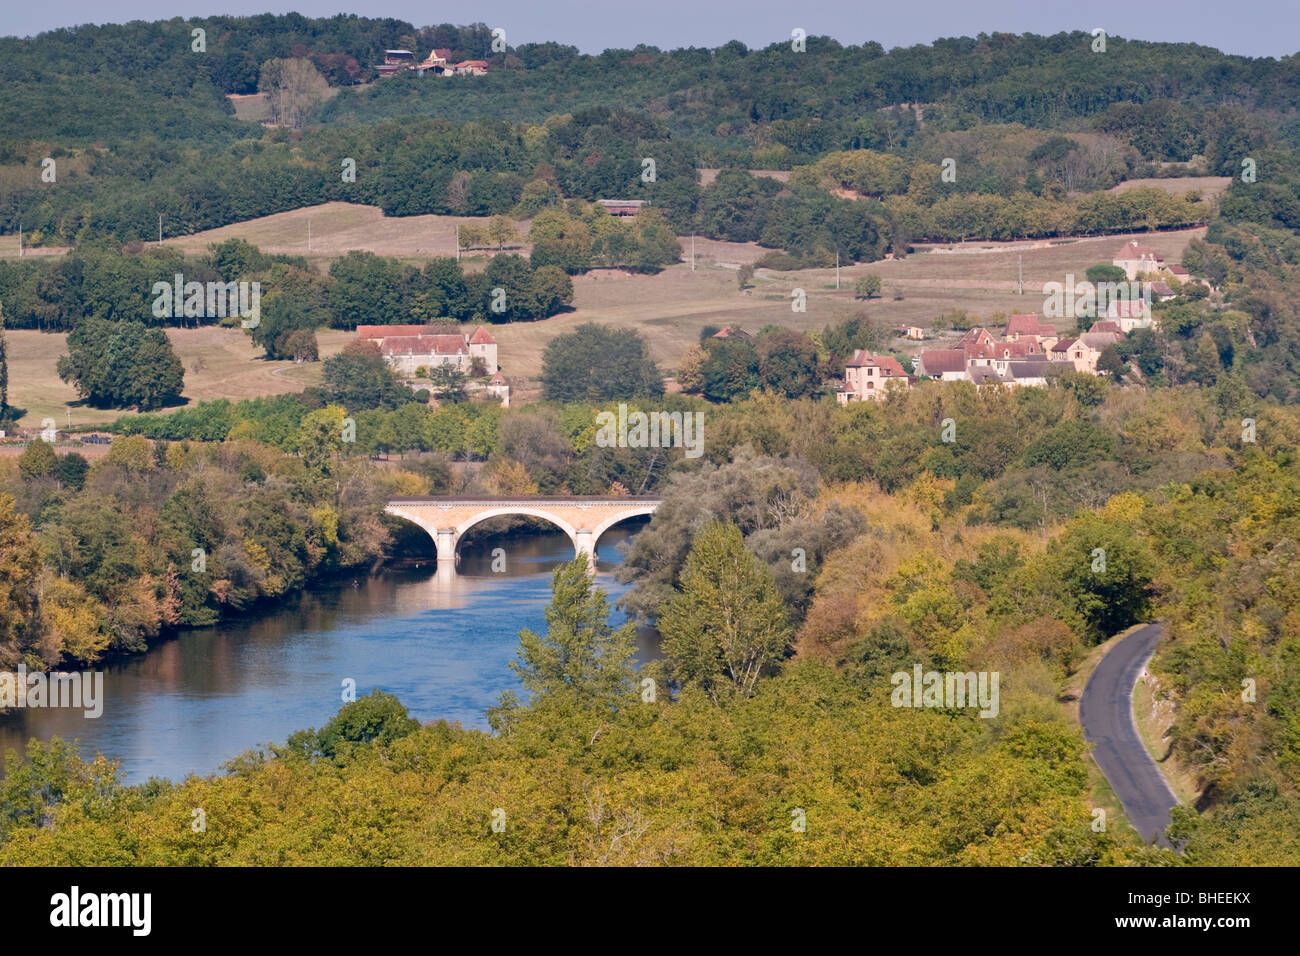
(950, 689)
(208, 300)
(75, 908)
(639, 429)
(1082, 300)
(80, 690)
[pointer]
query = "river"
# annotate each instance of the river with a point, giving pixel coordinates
(193, 702)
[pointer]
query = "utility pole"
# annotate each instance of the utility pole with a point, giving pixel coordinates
(160, 229)
(1020, 263)
(20, 240)
(458, 242)
(837, 269)
(692, 253)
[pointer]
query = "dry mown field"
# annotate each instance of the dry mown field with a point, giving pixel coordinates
(669, 309)
(339, 227)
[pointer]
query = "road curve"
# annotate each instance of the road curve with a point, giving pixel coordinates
(1106, 713)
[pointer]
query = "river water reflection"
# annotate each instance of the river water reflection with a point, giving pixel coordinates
(192, 703)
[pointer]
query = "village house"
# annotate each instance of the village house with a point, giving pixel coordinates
(1130, 314)
(949, 365)
(1084, 351)
(1024, 326)
(867, 378)
(1161, 291)
(1027, 373)
(1136, 259)
(471, 68)
(395, 61)
(438, 63)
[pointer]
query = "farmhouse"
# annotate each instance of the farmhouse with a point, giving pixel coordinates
(408, 347)
(1135, 259)
(867, 377)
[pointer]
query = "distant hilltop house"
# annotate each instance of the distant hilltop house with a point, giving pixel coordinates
(1135, 259)
(868, 378)
(622, 207)
(395, 61)
(410, 347)
(438, 62)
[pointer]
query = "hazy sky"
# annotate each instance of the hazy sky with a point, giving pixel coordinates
(1249, 27)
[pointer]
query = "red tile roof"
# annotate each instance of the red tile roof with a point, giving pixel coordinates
(1133, 250)
(1063, 345)
(481, 337)
(936, 361)
(1027, 324)
(384, 331)
(1128, 309)
(424, 345)
(888, 365)
(1106, 325)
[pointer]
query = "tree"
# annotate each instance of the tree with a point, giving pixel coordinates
(448, 382)
(20, 563)
(122, 364)
(378, 718)
(359, 378)
(293, 88)
(301, 345)
(581, 655)
(38, 460)
(787, 363)
(866, 287)
(594, 363)
(726, 625)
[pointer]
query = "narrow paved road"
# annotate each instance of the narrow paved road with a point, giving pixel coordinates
(1106, 713)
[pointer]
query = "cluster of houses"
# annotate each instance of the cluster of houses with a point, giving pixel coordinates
(1027, 350)
(438, 63)
(1029, 346)
(412, 348)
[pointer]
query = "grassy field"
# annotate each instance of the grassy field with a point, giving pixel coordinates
(219, 363)
(670, 308)
(1210, 187)
(339, 227)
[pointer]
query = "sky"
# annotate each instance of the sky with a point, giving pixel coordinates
(1250, 28)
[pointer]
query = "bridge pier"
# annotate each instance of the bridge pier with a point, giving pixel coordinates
(445, 542)
(584, 542)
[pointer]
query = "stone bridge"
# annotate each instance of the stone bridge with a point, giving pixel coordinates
(584, 518)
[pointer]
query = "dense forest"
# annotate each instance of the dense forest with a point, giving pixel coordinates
(973, 554)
